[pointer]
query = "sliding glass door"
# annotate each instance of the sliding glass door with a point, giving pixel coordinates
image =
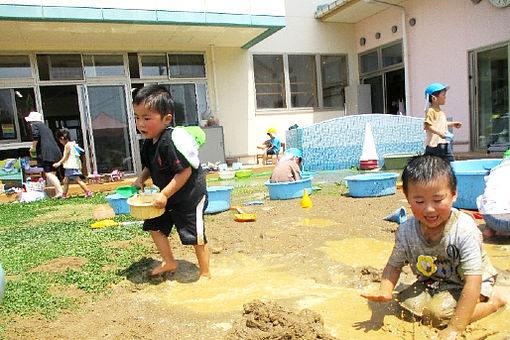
(110, 136)
(491, 99)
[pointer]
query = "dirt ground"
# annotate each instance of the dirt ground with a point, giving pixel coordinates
(294, 273)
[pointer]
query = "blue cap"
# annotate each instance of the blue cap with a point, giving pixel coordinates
(435, 87)
(294, 151)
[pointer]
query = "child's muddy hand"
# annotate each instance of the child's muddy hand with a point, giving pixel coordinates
(377, 296)
(159, 201)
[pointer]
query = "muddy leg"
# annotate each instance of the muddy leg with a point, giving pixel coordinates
(202, 252)
(168, 264)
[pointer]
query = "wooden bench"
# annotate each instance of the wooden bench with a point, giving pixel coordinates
(270, 158)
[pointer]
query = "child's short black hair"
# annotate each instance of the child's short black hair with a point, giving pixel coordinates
(428, 168)
(435, 94)
(63, 133)
(156, 97)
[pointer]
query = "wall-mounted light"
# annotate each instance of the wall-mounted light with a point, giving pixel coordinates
(362, 41)
(412, 21)
(378, 35)
(394, 29)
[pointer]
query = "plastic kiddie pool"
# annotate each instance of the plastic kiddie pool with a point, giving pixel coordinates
(219, 198)
(470, 180)
(372, 185)
(288, 190)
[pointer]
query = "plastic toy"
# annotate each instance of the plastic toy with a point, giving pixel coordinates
(398, 216)
(306, 201)
(127, 190)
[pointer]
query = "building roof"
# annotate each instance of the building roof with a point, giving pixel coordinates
(352, 11)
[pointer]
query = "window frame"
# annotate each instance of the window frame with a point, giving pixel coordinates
(30, 65)
(93, 55)
(380, 67)
(16, 121)
(319, 99)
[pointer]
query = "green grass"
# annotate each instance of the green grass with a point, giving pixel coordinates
(24, 247)
(27, 243)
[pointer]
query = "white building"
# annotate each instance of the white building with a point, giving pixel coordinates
(250, 64)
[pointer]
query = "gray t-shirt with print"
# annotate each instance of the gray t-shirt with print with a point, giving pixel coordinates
(459, 252)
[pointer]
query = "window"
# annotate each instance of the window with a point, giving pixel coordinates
(302, 81)
(103, 65)
(391, 55)
(492, 99)
(383, 69)
(315, 81)
(369, 62)
(15, 104)
(334, 79)
(15, 66)
(185, 100)
(154, 65)
(187, 66)
(134, 67)
(269, 81)
(59, 66)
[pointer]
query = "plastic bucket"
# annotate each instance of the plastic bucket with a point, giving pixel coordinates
(372, 185)
(118, 203)
(288, 190)
(470, 180)
(219, 198)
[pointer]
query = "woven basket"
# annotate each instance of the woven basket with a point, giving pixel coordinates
(140, 207)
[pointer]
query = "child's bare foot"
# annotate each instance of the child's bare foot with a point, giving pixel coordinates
(165, 267)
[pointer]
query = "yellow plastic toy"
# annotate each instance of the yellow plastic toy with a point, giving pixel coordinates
(242, 216)
(306, 201)
(110, 223)
(103, 223)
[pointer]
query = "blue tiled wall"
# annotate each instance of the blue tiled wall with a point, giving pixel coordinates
(337, 143)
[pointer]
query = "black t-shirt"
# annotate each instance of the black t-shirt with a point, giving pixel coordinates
(47, 148)
(164, 161)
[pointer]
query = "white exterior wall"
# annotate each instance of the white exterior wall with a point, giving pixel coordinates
(438, 47)
(244, 127)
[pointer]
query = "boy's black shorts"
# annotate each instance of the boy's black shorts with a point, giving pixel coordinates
(189, 223)
(271, 151)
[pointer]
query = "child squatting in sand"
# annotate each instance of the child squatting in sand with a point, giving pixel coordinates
(443, 246)
(170, 157)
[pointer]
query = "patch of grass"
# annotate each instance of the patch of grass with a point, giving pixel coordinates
(246, 190)
(24, 248)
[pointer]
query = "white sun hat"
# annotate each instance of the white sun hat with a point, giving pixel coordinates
(34, 116)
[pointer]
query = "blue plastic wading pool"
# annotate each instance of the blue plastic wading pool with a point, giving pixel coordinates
(372, 185)
(288, 190)
(118, 203)
(470, 180)
(219, 198)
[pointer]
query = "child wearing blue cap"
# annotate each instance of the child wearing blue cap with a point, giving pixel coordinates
(436, 125)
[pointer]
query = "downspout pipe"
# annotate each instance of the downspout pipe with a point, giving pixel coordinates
(404, 49)
(216, 97)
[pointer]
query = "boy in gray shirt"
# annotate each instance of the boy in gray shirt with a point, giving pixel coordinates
(443, 246)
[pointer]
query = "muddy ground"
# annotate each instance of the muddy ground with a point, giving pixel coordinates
(294, 273)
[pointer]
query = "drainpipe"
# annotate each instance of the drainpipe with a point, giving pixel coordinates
(216, 100)
(404, 48)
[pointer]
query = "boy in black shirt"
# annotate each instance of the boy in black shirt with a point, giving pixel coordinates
(170, 158)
